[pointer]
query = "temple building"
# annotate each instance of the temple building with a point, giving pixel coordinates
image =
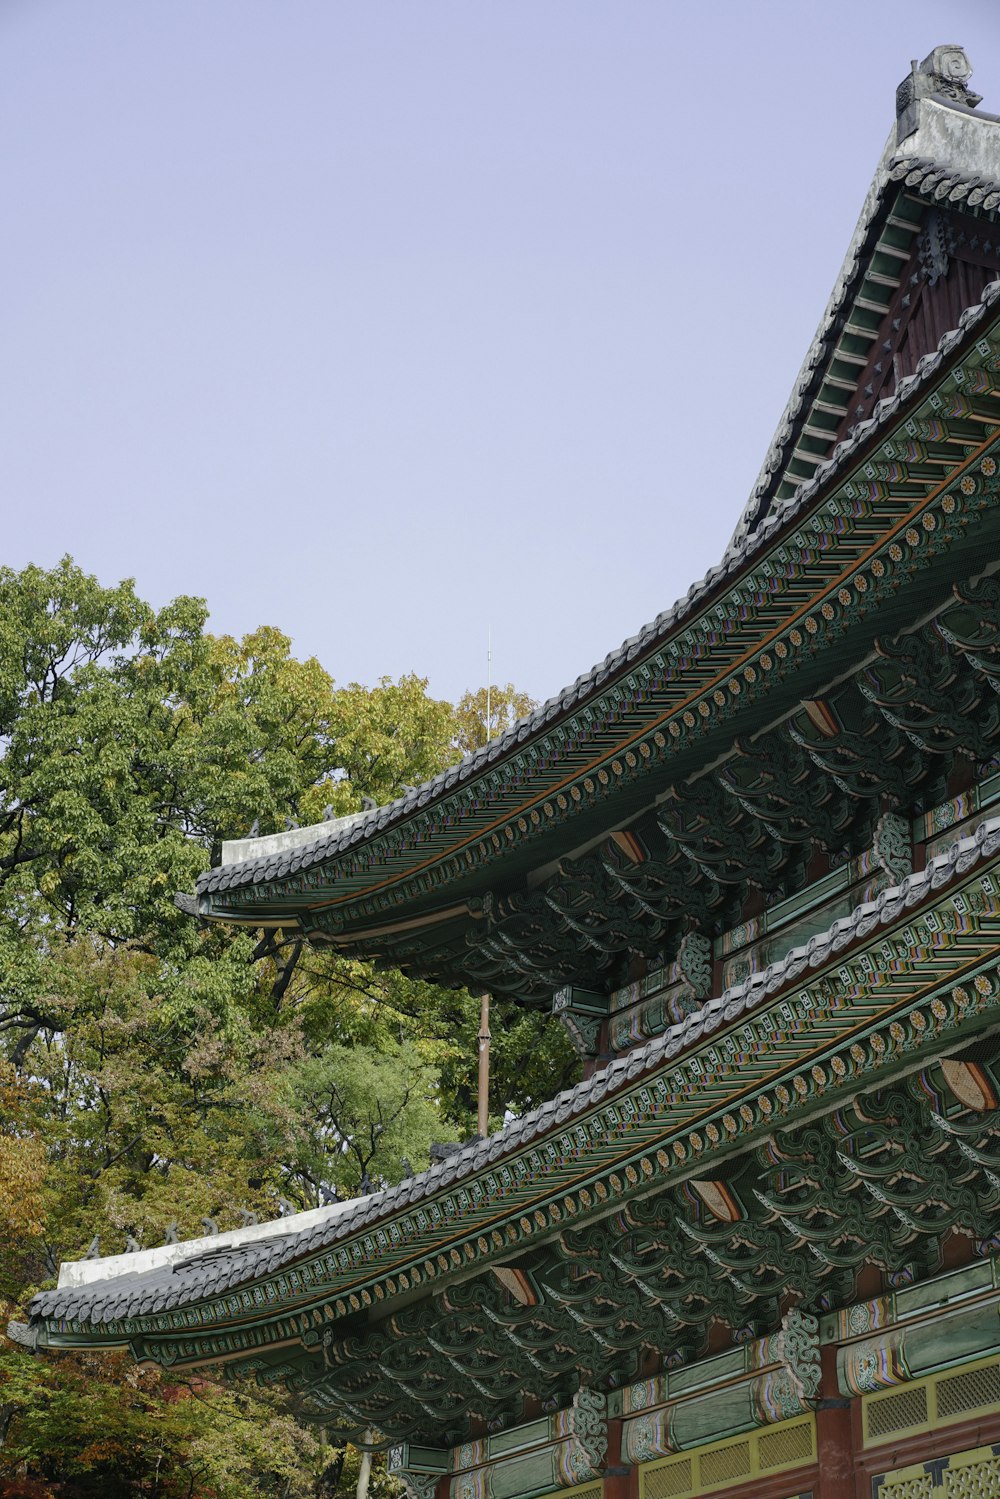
(752, 862)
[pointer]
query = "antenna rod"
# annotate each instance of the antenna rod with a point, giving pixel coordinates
(489, 681)
(484, 1066)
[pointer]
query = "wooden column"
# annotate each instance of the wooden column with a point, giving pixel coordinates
(834, 1438)
(618, 1476)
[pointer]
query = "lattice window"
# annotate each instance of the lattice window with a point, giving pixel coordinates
(918, 1486)
(973, 1474)
(966, 1392)
(779, 1448)
(725, 1464)
(897, 1412)
(706, 1470)
(675, 1478)
(978, 1480)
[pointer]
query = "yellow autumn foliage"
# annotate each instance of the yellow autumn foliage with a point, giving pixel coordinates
(22, 1164)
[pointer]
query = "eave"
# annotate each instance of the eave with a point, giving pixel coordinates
(766, 630)
(949, 157)
(881, 998)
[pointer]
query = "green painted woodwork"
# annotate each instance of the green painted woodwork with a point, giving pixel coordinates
(415, 1458)
(817, 893)
(419, 1485)
(881, 1175)
(668, 1415)
(892, 732)
(709, 1418)
(575, 1454)
(506, 1442)
(535, 1473)
(648, 1006)
(561, 1450)
(913, 1300)
(906, 1352)
(958, 817)
(892, 846)
(756, 955)
(884, 544)
(581, 1012)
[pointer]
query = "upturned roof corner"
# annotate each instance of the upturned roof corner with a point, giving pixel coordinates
(919, 285)
(941, 150)
(943, 75)
(752, 860)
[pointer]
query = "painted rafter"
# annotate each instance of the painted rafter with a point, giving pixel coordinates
(794, 604)
(753, 821)
(642, 1167)
(883, 1183)
(923, 698)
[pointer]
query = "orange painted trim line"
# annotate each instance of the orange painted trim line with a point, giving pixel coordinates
(658, 1141)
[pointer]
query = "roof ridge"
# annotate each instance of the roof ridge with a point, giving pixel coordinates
(934, 178)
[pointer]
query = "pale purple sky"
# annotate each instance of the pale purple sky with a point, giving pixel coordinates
(380, 322)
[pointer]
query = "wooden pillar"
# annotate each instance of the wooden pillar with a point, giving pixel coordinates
(834, 1436)
(617, 1475)
(616, 1482)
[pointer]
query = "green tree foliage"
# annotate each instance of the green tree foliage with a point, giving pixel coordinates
(391, 736)
(366, 1109)
(99, 1426)
(22, 1174)
(153, 1071)
(481, 715)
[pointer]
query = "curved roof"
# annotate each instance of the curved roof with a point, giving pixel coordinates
(501, 817)
(332, 839)
(219, 1267)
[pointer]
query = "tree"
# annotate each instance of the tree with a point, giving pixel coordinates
(390, 736)
(153, 1070)
(361, 1005)
(22, 1173)
(484, 714)
(370, 1111)
(98, 1427)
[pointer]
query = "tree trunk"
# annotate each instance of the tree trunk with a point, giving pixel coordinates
(364, 1472)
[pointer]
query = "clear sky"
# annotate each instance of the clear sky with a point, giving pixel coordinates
(383, 322)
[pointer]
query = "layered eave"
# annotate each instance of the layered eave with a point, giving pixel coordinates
(681, 1139)
(825, 690)
(476, 877)
(796, 604)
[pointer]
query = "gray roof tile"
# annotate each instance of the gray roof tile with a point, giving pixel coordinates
(192, 1279)
(743, 546)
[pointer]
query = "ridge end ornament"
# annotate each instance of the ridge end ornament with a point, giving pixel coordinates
(944, 73)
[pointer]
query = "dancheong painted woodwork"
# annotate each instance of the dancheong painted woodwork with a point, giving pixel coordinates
(752, 862)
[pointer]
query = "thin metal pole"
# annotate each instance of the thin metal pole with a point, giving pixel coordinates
(484, 1066)
(489, 681)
